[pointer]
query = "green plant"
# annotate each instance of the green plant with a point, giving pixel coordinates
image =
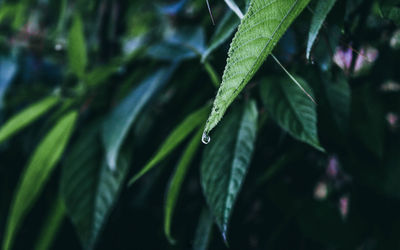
(105, 141)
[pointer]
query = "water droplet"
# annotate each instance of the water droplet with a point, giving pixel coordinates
(205, 138)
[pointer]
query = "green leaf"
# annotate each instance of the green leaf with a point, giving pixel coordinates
(260, 30)
(203, 231)
(233, 6)
(118, 123)
(176, 183)
(26, 116)
(174, 139)
(51, 225)
(226, 160)
(89, 187)
(36, 174)
(77, 55)
(291, 108)
(224, 30)
(321, 12)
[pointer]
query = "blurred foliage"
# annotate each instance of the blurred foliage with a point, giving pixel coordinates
(103, 104)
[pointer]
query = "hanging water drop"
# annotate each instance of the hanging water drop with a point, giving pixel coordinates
(205, 138)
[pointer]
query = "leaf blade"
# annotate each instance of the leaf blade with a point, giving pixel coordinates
(226, 160)
(77, 54)
(291, 109)
(26, 116)
(89, 188)
(321, 12)
(37, 172)
(176, 183)
(118, 123)
(173, 140)
(248, 51)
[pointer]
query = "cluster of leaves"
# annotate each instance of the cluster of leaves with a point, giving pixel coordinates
(104, 105)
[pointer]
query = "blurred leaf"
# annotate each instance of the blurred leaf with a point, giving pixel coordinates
(291, 109)
(203, 230)
(36, 174)
(226, 160)
(225, 29)
(233, 6)
(174, 139)
(179, 44)
(77, 55)
(100, 74)
(367, 109)
(339, 97)
(51, 225)
(8, 69)
(260, 30)
(89, 187)
(117, 124)
(321, 12)
(177, 181)
(26, 116)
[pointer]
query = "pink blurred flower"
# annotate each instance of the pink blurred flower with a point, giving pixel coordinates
(343, 58)
(365, 58)
(392, 119)
(332, 169)
(344, 206)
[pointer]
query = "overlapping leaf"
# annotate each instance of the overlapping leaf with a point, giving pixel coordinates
(321, 12)
(226, 160)
(291, 108)
(89, 187)
(117, 124)
(261, 28)
(36, 174)
(174, 139)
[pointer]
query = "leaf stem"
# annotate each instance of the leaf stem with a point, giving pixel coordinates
(212, 73)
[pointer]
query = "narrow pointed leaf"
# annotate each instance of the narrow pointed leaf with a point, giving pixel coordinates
(203, 231)
(260, 30)
(226, 160)
(89, 188)
(224, 30)
(51, 225)
(26, 116)
(77, 55)
(36, 174)
(291, 109)
(176, 183)
(118, 123)
(321, 12)
(174, 139)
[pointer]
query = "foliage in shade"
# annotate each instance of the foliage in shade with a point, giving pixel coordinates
(117, 124)
(26, 116)
(179, 134)
(291, 109)
(77, 54)
(226, 160)
(203, 231)
(37, 172)
(320, 13)
(89, 187)
(176, 182)
(51, 225)
(259, 32)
